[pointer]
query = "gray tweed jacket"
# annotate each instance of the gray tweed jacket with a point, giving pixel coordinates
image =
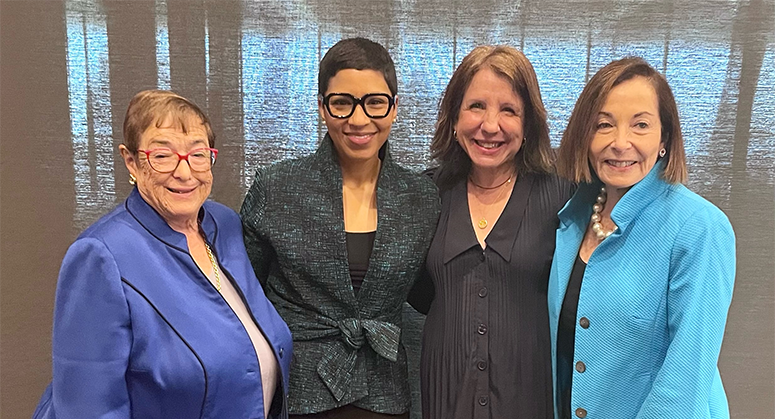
(346, 347)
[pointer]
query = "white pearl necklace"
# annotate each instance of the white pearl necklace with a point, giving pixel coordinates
(597, 228)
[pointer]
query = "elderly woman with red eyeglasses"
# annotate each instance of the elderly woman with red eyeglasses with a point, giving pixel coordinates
(158, 312)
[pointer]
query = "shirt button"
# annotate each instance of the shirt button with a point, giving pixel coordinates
(483, 401)
(582, 413)
(482, 329)
(584, 322)
(483, 292)
(481, 365)
(580, 367)
(482, 257)
(281, 352)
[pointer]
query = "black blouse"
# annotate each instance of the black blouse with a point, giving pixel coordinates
(486, 348)
(359, 247)
(566, 338)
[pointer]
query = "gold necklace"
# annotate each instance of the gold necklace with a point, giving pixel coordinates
(215, 267)
(482, 223)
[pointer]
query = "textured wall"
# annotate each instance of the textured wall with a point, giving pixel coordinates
(70, 67)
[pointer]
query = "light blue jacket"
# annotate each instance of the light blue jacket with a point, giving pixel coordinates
(140, 332)
(656, 294)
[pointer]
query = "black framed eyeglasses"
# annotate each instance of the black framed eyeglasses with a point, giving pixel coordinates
(375, 105)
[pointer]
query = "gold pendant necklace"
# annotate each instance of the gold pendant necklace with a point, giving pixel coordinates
(215, 267)
(482, 223)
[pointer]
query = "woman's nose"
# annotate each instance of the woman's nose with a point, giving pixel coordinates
(491, 123)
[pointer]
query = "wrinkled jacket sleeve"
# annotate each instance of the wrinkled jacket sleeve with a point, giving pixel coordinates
(702, 274)
(252, 213)
(92, 336)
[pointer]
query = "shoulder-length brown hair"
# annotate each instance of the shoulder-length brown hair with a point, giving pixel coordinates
(535, 155)
(573, 156)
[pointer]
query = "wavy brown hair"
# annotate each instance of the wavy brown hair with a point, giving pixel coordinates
(535, 155)
(158, 107)
(573, 156)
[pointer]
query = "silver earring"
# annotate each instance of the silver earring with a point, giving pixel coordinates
(132, 179)
(662, 152)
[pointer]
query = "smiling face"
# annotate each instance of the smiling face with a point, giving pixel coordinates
(358, 137)
(628, 133)
(176, 196)
(490, 123)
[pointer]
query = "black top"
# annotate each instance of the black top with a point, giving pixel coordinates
(359, 247)
(486, 348)
(566, 337)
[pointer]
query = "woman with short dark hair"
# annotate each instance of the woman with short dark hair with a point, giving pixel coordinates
(338, 238)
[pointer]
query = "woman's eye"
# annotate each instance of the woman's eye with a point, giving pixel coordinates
(509, 111)
(642, 125)
(604, 125)
(376, 102)
(476, 105)
(156, 155)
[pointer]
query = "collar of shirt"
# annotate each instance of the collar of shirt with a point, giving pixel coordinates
(460, 235)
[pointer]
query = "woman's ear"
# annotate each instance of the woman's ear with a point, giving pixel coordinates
(321, 109)
(130, 160)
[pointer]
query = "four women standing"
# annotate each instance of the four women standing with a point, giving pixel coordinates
(633, 325)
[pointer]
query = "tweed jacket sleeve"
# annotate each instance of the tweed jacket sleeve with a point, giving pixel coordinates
(258, 246)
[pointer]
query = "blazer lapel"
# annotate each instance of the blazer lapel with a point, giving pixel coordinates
(570, 233)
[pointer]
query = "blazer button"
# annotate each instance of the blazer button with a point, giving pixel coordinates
(483, 401)
(281, 352)
(483, 292)
(580, 367)
(482, 329)
(481, 365)
(582, 413)
(584, 322)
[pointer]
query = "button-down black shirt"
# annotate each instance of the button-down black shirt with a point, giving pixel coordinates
(486, 348)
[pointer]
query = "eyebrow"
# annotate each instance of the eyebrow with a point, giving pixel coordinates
(164, 142)
(609, 115)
